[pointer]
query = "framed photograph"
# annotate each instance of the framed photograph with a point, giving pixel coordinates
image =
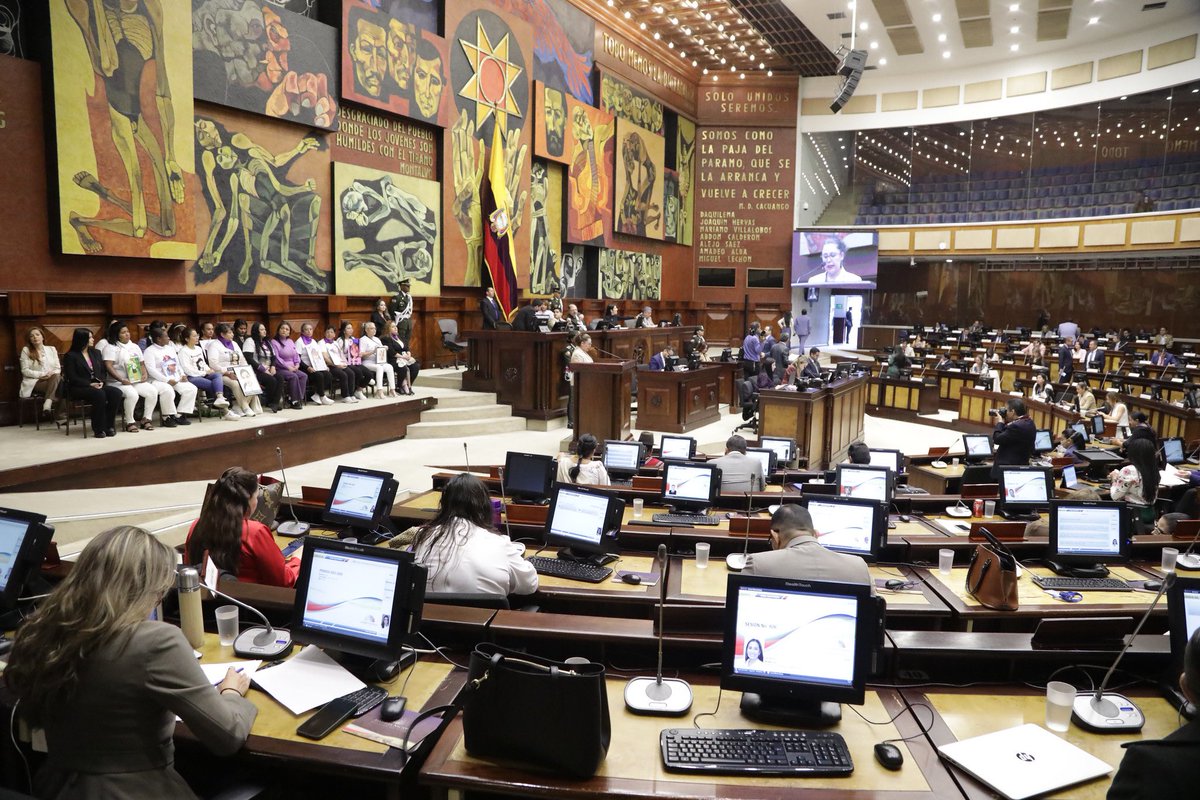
(248, 380)
(316, 357)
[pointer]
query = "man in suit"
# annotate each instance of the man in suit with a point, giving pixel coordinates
(1162, 358)
(739, 472)
(490, 309)
(1159, 768)
(1066, 360)
(781, 354)
(1164, 339)
(1068, 329)
(1095, 356)
(658, 361)
(797, 553)
(802, 326)
(1013, 437)
(527, 316)
(812, 368)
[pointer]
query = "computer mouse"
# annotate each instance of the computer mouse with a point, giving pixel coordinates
(631, 578)
(1152, 586)
(392, 709)
(889, 756)
(905, 518)
(894, 584)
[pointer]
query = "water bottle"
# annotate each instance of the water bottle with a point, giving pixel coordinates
(191, 616)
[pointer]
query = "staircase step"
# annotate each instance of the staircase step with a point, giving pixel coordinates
(454, 414)
(460, 428)
(448, 379)
(466, 399)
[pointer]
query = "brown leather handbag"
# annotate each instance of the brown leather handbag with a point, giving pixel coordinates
(992, 576)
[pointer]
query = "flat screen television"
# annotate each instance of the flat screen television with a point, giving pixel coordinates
(360, 498)
(529, 476)
(830, 257)
(849, 524)
(24, 537)
(785, 449)
(797, 649)
(1024, 491)
(977, 446)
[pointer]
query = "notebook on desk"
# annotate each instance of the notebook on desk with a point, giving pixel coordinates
(1025, 761)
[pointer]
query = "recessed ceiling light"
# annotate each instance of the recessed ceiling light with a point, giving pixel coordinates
(937, 17)
(770, 73)
(1015, 29)
(862, 26)
(941, 37)
(1093, 20)
(945, 54)
(1014, 47)
(883, 62)
(874, 45)
(1014, 6)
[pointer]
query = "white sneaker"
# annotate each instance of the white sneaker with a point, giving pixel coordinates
(221, 402)
(232, 414)
(359, 395)
(327, 400)
(247, 411)
(349, 400)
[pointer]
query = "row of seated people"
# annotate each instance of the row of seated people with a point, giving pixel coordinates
(171, 366)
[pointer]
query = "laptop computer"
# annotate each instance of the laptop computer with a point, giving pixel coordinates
(1025, 761)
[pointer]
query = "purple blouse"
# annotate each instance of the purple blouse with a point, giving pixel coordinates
(285, 353)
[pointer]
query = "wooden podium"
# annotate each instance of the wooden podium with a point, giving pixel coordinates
(603, 398)
(677, 402)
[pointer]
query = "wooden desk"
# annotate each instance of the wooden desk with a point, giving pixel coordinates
(678, 402)
(633, 768)
(639, 344)
(962, 714)
(934, 480)
(525, 370)
(824, 422)
(974, 405)
(602, 399)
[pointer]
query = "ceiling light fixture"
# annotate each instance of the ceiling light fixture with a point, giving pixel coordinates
(937, 17)
(1015, 29)
(941, 37)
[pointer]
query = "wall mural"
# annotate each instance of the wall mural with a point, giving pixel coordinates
(123, 111)
(591, 147)
(387, 228)
(563, 40)
(685, 166)
(489, 79)
(266, 193)
(577, 266)
(625, 275)
(550, 123)
(641, 156)
(632, 105)
(670, 205)
(545, 218)
(12, 29)
(306, 7)
(393, 59)
(258, 56)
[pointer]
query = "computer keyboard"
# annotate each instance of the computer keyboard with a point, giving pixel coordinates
(687, 519)
(571, 570)
(735, 751)
(365, 698)
(1083, 584)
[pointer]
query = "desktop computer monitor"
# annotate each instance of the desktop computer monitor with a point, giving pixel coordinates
(1183, 618)
(528, 477)
(1024, 490)
(356, 599)
(1043, 442)
(784, 449)
(859, 480)
(797, 648)
(1098, 425)
(1173, 450)
(670, 363)
(677, 447)
(1070, 479)
(892, 459)
(977, 446)
(585, 521)
(690, 487)
(849, 524)
(766, 457)
(1087, 533)
(360, 498)
(24, 537)
(1082, 430)
(622, 459)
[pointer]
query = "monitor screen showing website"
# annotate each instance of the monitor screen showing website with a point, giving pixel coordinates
(677, 447)
(1173, 451)
(844, 526)
(869, 483)
(1023, 487)
(356, 495)
(688, 483)
(977, 445)
(350, 595)
(1091, 529)
(764, 457)
(830, 257)
(12, 538)
(622, 456)
(1081, 429)
(1098, 425)
(886, 458)
(782, 447)
(577, 518)
(1070, 479)
(1042, 441)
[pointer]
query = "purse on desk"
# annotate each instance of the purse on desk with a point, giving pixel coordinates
(992, 575)
(545, 713)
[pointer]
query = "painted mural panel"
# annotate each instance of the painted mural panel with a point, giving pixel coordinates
(625, 275)
(258, 56)
(632, 105)
(685, 162)
(545, 218)
(641, 158)
(591, 145)
(123, 108)
(563, 41)
(549, 123)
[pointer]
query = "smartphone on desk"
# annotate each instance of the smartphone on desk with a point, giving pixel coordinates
(327, 719)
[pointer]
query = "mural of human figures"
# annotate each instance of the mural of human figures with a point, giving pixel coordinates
(387, 228)
(589, 175)
(670, 205)
(625, 275)
(265, 211)
(563, 41)
(549, 123)
(577, 277)
(685, 167)
(639, 183)
(266, 59)
(122, 82)
(624, 102)
(545, 216)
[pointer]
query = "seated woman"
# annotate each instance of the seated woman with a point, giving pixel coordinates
(201, 375)
(338, 368)
(584, 468)
(256, 349)
(1117, 414)
(1041, 390)
(980, 367)
(106, 683)
(1137, 482)
(351, 351)
(312, 361)
(897, 363)
(83, 376)
(125, 365)
(162, 364)
(40, 370)
(401, 358)
(287, 364)
(1087, 400)
(237, 544)
(611, 318)
(463, 552)
(223, 355)
(766, 371)
(375, 356)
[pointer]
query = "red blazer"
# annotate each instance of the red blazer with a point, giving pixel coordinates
(262, 560)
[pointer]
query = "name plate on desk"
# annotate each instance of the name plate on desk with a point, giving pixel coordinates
(1135, 374)
(1145, 363)
(954, 370)
(1144, 396)
(520, 514)
(1006, 362)
(1093, 371)
(1176, 380)
(1004, 531)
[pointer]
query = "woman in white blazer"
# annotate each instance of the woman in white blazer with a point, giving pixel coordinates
(40, 370)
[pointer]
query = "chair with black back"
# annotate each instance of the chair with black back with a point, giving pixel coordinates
(748, 394)
(469, 599)
(450, 342)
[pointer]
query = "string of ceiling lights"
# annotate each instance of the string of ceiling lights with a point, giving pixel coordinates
(715, 38)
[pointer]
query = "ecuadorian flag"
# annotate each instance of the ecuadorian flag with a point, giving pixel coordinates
(497, 236)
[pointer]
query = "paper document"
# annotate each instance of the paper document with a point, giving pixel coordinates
(307, 680)
(1168, 477)
(216, 672)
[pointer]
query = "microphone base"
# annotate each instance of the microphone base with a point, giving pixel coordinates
(1114, 713)
(1187, 561)
(735, 562)
(277, 647)
(671, 698)
(293, 529)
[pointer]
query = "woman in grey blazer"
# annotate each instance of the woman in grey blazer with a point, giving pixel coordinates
(106, 682)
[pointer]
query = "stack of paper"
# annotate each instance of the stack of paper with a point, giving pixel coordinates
(307, 680)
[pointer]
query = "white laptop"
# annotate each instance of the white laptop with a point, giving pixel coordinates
(1025, 761)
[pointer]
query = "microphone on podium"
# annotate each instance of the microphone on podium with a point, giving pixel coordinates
(295, 527)
(659, 696)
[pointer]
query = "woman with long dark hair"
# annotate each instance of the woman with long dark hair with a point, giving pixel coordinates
(287, 364)
(237, 544)
(83, 374)
(106, 683)
(1137, 482)
(584, 468)
(463, 552)
(348, 345)
(257, 349)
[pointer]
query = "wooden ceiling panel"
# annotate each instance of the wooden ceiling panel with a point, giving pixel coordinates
(1052, 25)
(1047, 5)
(787, 36)
(970, 9)
(893, 13)
(977, 32)
(906, 41)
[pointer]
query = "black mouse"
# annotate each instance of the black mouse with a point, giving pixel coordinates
(889, 756)
(392, 709)
(894, 584)
(631, 578)
(905, 518)
(1152, 586)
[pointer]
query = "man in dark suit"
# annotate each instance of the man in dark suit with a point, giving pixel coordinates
(1162, 358)
(527, 316)
(1013, 437)
(1066, 360)
(490, 309)
(658, 361)
(1095, 356)
(1160, 768)
(812, 369)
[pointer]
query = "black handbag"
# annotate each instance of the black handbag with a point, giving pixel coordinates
(545, 713)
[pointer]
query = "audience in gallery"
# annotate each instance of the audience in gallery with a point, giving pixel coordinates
(223, 354)
(400, 357)
(462, 550)
(84, 377)
(126, 370)
(98, 676)
(256, 348)
(40, 369)
(202, 375)
(162, 364)
(375, 356)
(348, 345)
(584, 468)
(238, 545)
(287, 364)
(316, 370)
(335, 359)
